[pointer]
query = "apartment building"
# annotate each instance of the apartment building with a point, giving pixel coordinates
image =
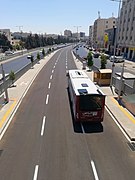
(99, 30)
(91, 36)
(126, 29)
(8, 34)
(67, 33)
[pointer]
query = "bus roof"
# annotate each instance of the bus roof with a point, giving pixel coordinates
(81, 83)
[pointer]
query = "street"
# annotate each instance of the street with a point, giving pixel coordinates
(42, 141)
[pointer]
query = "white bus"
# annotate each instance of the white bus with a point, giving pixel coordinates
(87, 100)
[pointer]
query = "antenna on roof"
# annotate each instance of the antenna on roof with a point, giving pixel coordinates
(99, 15)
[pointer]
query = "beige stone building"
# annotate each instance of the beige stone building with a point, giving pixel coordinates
(100, 26)
(126, 29)
(8, 34)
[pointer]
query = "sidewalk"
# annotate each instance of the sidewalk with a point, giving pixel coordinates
(17, 93)
(123, 117)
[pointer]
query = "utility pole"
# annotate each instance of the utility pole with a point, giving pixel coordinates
(20, 33)
(77, 31)
(4, 80)
(20, 28)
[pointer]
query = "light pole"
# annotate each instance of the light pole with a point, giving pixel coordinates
(4, 80)
(115, 40)
(122, 72)
(77, 31)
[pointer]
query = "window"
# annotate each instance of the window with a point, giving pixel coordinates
(91, 103)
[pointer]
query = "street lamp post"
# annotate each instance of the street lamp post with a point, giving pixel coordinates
(77, 31)
(115, 40)
(122, 72)
(4, 79)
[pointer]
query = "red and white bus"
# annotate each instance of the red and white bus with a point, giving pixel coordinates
(88, 102)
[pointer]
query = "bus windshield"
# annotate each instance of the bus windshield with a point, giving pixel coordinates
(91, 102)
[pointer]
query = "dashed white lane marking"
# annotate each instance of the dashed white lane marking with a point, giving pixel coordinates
(52, 71)
(51, 77)
(66, 67)
(47, 98)
(36, 172)
(94, 170)
(43, 126)
(49, 85)
(53, 67)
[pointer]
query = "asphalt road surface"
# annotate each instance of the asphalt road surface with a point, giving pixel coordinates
(43, 143)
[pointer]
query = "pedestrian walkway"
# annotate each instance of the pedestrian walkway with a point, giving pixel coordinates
(17, 93)
(123, 117)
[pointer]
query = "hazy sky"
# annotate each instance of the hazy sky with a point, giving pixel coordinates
(53, 16)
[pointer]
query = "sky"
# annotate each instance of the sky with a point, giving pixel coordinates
(53, 16)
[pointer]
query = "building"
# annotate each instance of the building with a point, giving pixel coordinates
(67, 33)
(82, 35)
(90, 42)
(99, 34)
(8, 34)
(111, 40)
(126, 29)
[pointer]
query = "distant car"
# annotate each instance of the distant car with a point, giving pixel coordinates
(29, 57)
(116, 59)
(9, 53)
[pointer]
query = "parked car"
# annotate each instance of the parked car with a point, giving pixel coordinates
(116, 59)
(8, 53)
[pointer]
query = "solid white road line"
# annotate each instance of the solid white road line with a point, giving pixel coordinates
(49, 85)
(43, 126)
(94, 170)
(82, 128)
(36, 172)
(126, 136)
(47, 98)
(51, 77)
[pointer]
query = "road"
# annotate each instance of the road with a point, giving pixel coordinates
(42, 142)
(18, 63)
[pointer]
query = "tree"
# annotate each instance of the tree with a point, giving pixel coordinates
(32, 60)
(4, 43)
(43, 52)
(12, 77)
(103, 61)
(89, 60)
(38, 56)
